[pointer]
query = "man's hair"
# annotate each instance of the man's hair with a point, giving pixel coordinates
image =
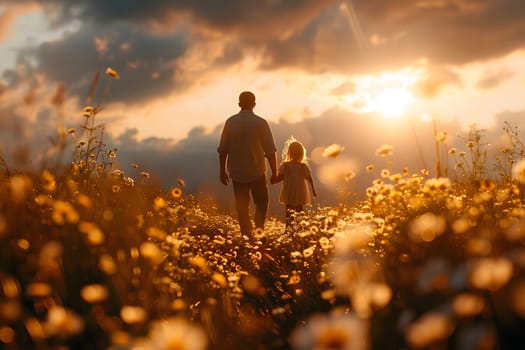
(246, 100)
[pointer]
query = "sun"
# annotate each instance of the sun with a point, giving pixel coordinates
(393, 102)
(388, 94)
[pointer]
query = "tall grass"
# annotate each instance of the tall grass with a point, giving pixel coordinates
(92, 258)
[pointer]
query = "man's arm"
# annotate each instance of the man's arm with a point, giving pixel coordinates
(223, 155)
(272, 160)
(223, 175)
(270, 151)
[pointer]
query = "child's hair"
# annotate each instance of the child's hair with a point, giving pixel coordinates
(293, 150)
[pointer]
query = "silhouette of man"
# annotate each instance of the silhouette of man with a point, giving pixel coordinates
(246, 142)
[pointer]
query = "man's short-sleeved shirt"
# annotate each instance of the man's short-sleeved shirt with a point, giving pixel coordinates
(246, 139)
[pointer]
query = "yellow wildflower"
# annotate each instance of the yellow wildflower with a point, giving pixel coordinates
(200, 262)
(88, 111)
(94, 293)
(156, 233)
(20, 186)
(107, 264)
(112, 73)
(159, 203)
(176, 192)
(176, 333)
(132, 314)
(64, 212)
(219, 279)
(491, 273)
(48, 181)
(441, 136)
(150, 251)
(385, 150)
(428, 329)
(349, 176)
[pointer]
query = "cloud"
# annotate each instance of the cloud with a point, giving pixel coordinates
(162, 46)
(29, 144)
(249, 17)
(456, 32)
(437, 78)
(492, 79)
(317, 35)
(325, 43)
(347, 87)
(10, 14)
(193, 159)
(146, 63)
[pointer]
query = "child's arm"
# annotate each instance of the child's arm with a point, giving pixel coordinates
(311, 182)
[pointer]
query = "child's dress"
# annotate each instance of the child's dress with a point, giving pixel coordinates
(294, 191)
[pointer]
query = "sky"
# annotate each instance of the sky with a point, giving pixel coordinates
(357, 73)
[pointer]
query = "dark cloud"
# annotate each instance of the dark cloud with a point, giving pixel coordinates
(449, 32)
(325, 43)
(237, 26)
(146, 63)
(193, 159)
(457, 31)
(149, 42)
(248, 17)
(445, 31)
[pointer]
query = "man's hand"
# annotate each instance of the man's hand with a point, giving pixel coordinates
(274, 179)
(224, 178)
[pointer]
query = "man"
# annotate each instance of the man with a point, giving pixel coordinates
(246, 142)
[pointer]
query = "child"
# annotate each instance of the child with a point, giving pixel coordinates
(294, 172)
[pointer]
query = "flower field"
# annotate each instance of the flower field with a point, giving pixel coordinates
(117, 263)
(91, 258)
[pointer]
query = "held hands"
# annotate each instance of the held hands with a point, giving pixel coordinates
(275, 179)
